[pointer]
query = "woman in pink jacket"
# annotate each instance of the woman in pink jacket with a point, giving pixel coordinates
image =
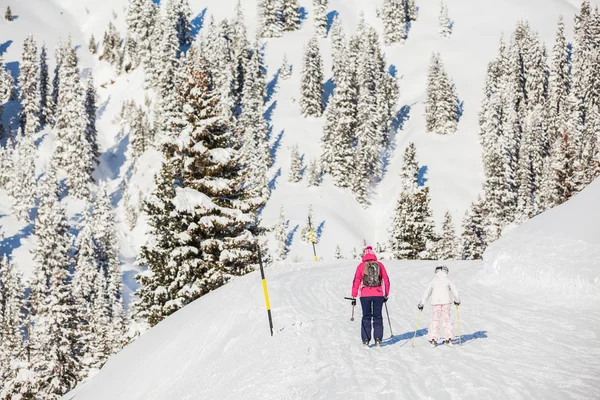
(369, 282)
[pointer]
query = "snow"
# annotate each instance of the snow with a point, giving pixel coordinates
(189, 200)
(555, 255)
(219, 347)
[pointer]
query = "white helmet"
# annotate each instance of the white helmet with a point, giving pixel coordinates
(441, 267)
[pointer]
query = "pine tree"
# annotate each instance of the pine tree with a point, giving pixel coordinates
(209, 240)
(271, 18)
(444, 21)
(411, 10)
(12, 319)
(339, 132)
(338, 253)
(473, 235)
(178, 15)
(281, 236)
(111, 46)
(90, 109)
(410, 169)
(59, 54)
(54, 334)
(46, 106)
(29, 94)
(441, 109)
(291, 15)
(93, 45)
(558, 85)
(252, 130)
(311, 95)
(314, 173)
(393, 15)
(103, 221)
(285, 72)
(320, 17)
(22, 186)
(296, 165)
(338, 46)
(140, 133)
(8, 14)
(6, 90)
(563, 164)
(305, 233)
(448, 247)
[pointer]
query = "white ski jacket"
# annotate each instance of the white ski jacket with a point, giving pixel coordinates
(440, 290)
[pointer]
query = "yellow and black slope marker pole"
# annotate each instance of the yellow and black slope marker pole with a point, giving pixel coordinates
(264, 285)
(312, 238)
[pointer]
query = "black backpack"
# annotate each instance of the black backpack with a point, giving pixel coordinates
(372, 274)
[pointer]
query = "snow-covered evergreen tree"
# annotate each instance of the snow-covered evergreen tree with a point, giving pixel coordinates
(178, 14)
(54, 354)
(295, 166)
(46, 107)
(12, 322)
(59, 54)
(271, 18)
(305, 233)
(252, 130)
(314, 173)
(448, 247)
(23, 180)
(411, 10)
(209, 240)
(338, 253)
(29, 94)
(311, 89)
(6, 90)
(338, 45)
(291, 15)
(445, 24)
(558, 85)
(393, 14)
(111, 46)
(140, 132)
(320, 17)
(441, 109)
(281, 236)
(410, 169)
(473, 235)
(339, 132)
(285, 72)
(8, 14)
(90, 109)
(93, 45)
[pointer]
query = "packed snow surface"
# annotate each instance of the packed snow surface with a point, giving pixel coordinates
(219, 347)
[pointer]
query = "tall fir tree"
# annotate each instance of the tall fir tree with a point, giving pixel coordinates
(23, 182)
(558, 85)
(285, 72)
(111, 46)
(441, 109)
(296, 165)
(444, 22)
(211, 224)
(178, 14)
(281, 236)
(309, 230)
(29, 95)
(473, 233)
(311, 89)
(411, 10)
(393, 14)
(314, 173)
(91, 133)
(320, 17)
(6, 90)
(338, 46)
(448, 247)
(271, 18)
(291, 15)
(46, 107)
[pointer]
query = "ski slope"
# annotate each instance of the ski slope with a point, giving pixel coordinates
(525, 332)
(219, 347)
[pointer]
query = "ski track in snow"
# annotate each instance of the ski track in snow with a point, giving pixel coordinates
(219, 347)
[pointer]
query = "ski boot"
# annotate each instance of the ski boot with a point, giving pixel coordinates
(377, 342)
(365, 343)
(449, 343)
(433, 343)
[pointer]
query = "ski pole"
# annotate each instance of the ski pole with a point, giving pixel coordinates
(388, 315)
(458, 317)
(417, 328)
(350, 298)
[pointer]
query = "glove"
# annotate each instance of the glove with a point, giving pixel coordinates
(457, 303)
(385, 299)
(353, 302)
(420, 306)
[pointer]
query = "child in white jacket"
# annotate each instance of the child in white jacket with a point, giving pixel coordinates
(441, 289)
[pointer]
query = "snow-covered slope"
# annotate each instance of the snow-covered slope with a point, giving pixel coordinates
(556, 254)
(219, 346)
(453, 164)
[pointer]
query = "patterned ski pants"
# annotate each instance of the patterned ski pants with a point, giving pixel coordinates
(441, 311)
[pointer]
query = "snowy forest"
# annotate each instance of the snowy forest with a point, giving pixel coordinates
(206, 114)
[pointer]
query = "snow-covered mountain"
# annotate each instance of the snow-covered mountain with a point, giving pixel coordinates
(452, 164)
(533, 343)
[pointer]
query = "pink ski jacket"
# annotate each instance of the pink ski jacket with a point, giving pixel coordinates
(370, 291)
